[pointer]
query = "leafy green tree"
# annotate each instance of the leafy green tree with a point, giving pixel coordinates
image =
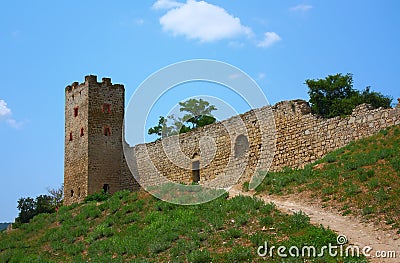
(57, 195)
(44, 204)
(335, 96)
(178, 126)
(375, 99)
(29, 207)
(197, 113)
(27, 210)
(159, 128)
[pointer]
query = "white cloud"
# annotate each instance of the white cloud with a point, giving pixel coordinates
(5, 113)
(4, 110)
(201, 20)
(301, 8)
(166, 4)
(270, 38)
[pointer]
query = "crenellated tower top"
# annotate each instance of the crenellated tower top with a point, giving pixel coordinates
(91, 81)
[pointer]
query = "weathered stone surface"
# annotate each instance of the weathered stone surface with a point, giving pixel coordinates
(272, 137)
(93, 139)
(300, 138)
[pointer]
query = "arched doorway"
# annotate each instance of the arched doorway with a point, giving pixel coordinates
(196, 168)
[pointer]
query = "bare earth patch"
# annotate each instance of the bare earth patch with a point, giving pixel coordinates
(357, 232)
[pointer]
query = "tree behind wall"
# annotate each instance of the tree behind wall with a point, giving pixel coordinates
(335, 96)
(197, 113)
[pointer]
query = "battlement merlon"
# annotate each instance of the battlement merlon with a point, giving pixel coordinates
(91, 81)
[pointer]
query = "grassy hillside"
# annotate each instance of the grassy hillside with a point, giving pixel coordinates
(136, 227)
(362, 179)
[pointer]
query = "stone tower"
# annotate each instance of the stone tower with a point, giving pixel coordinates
(94, 158)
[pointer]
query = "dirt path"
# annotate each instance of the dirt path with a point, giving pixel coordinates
(357, 233)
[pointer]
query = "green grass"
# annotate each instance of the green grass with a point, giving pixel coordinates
(137, 227)
(359, 179)
(364, 177)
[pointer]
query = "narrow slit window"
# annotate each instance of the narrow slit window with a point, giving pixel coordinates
(107, 131)
(106, 188)
(76, 111)
(106, 108)
(70, 136)
(79, 192)
(72, 193)
(82, 133)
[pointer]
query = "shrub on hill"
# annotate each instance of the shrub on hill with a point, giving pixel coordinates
(99, 197)
(335, 96)
(29, 207)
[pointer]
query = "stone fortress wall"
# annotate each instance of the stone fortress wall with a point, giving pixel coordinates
(220, 154)
(301, 138)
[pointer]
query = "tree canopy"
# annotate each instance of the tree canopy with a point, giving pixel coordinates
(196, 113)
(29, 207)
(335, 96)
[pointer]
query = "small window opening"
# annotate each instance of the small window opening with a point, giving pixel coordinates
(70, 136)
(196, 171)
(72, 193)
(293, 107)
(82, 132)
(106, 188)
(75, 111)
(106, 108)
(107, 131)
(241, 146)
(79, 192)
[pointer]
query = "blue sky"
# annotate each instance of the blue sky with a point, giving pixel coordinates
(45, 46)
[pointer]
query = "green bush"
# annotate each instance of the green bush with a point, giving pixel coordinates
(335, 96)
(99, 197)
(199, 256)
(299, 220)
(266, 221)
(330, 158)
